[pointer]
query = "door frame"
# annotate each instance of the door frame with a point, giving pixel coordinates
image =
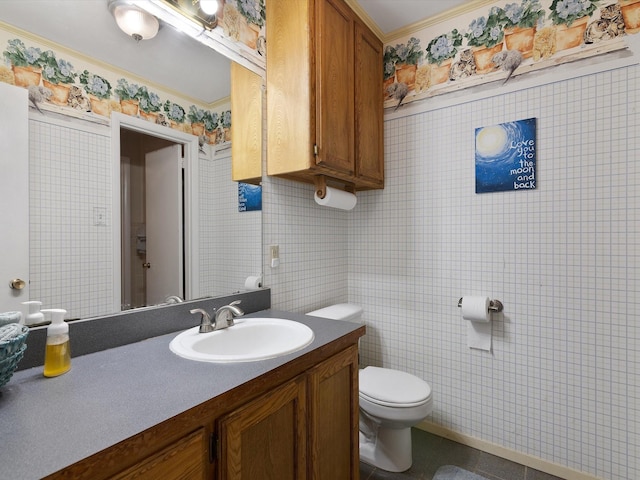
(15, 196)
(191, 201)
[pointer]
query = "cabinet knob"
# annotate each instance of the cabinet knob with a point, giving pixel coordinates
(146, 265)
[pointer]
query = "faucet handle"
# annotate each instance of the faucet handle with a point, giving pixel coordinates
(205, 321)
(236, 312)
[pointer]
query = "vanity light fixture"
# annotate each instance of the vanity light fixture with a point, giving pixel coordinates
(133, 20)
(203, 12)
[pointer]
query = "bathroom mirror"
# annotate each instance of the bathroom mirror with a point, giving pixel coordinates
(228, 257)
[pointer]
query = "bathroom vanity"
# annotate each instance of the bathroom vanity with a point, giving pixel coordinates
(140, 411)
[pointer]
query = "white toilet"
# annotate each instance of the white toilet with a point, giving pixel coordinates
(391, 402)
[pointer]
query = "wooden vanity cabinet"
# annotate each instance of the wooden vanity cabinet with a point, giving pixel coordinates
(246, 133)
(324, 94)
(297, 422)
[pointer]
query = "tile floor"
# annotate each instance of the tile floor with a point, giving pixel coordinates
(430, 452)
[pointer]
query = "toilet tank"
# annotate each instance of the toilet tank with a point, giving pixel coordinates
(340, 311)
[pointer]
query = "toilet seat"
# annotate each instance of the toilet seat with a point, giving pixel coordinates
(393, 388)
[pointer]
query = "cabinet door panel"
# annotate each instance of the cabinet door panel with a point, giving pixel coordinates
(246, 145)
(266, 439)
(334, 77)
(368, 107)
(290, 110)
(333, 427)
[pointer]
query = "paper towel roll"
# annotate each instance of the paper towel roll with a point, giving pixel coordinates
(252, 283)
(336, 198)
(476, 308)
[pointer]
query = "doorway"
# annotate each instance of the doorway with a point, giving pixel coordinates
(151, 219)
(155, 212)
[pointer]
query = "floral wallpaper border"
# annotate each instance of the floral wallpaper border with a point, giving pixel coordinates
(54, 80)
(244, 21)
(508, 38)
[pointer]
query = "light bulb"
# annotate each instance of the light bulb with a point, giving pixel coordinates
(134, 21)
(210, 7)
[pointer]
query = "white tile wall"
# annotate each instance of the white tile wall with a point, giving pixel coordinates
(230, 241)
(69, 176)
(313, 245)
(563, 380)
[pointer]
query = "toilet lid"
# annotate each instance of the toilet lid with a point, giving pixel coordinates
(385, 386)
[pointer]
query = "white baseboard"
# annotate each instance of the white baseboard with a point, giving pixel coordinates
(503, 452)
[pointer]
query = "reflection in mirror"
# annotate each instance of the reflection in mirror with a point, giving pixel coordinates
(151, 227)
(74, 253)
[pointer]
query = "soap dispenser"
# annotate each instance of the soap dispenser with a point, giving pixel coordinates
(57, 354)
(35, 316)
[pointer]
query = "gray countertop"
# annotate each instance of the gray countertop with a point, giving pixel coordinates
(47, 424)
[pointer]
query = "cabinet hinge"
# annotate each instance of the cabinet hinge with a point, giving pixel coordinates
(315, 149)
(213, 447)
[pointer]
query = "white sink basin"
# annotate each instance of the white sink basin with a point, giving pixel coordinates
(248, 340)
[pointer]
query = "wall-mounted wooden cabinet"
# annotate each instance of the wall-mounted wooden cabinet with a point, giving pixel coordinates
(246, 141)
(324, 94)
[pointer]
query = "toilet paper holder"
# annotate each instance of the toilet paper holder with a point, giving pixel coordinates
(494, 305)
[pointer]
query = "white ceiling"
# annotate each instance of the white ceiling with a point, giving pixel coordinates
(171, 59)
(391, 15)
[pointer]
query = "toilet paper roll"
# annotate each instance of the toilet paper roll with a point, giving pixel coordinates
(476, 308)
(252, 283)
(479, 335)
(336, 198)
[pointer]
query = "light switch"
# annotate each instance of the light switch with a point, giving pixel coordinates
(275, 255)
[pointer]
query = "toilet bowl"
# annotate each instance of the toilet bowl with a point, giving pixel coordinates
(391, 402)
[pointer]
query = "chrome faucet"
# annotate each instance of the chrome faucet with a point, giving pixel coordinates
(225, 315)
(173, 299)
(223, 318)
(205, 322)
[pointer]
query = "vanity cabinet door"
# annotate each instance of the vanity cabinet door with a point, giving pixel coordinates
(333, 418)
(186, 459)
(266, 438)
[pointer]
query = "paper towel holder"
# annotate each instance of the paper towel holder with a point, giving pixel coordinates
(494, 305)
(320, 182)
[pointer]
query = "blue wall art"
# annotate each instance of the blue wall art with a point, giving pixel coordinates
(249, 197)
(506, 156)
